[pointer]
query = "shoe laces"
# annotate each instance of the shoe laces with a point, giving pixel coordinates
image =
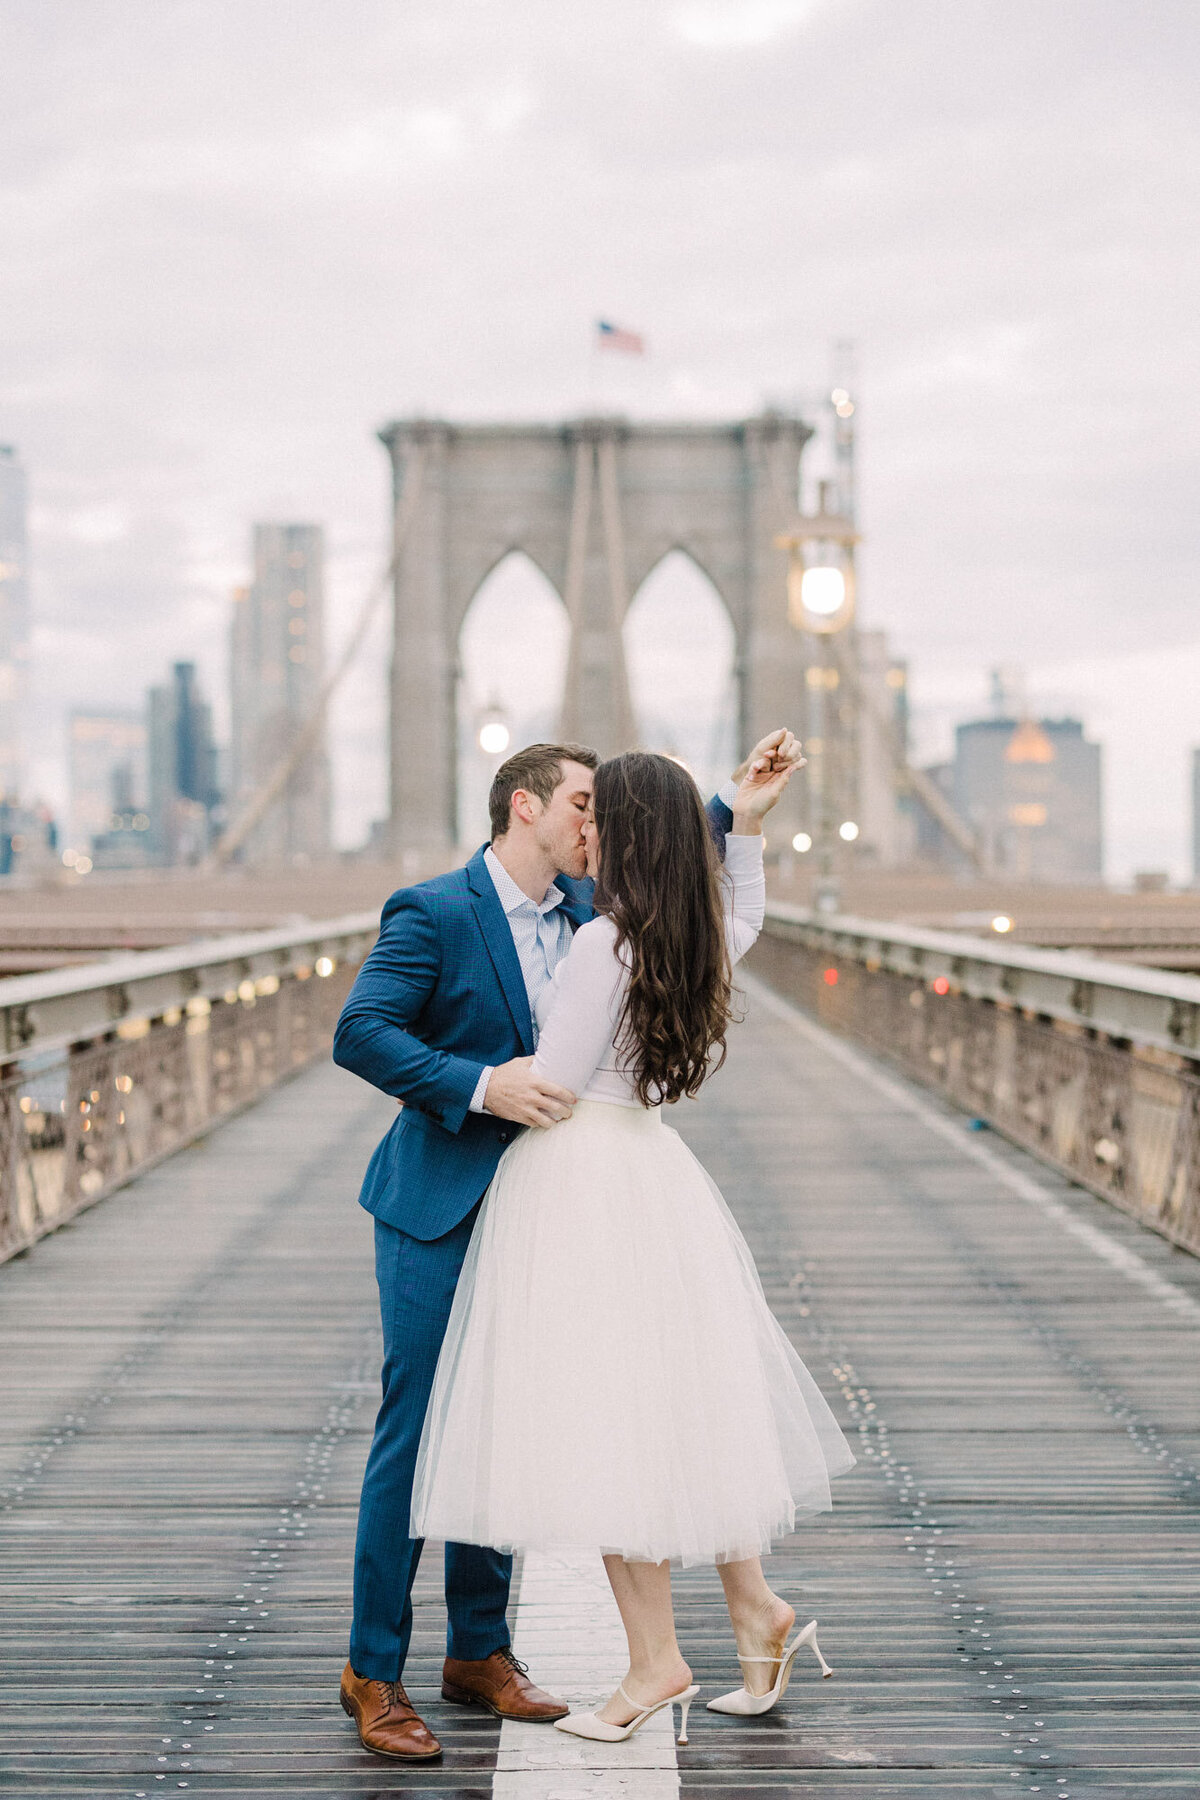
(514, 1662)
(394, 1694)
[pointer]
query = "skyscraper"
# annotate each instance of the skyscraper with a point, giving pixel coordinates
(107, 753)
(1031, 789)
(276, 669)
(14, 622)
(182, 760)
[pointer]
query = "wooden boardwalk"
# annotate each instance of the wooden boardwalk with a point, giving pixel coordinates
(1008, 1585)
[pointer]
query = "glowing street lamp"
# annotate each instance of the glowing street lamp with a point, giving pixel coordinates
(822, 591)
(820, 581)
(494, 736)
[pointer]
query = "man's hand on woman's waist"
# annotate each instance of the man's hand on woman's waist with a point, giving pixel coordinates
(515, 1092)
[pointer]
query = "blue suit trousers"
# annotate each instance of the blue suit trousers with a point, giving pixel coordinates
(417, 1279)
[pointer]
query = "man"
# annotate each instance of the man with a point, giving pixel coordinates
(441, 1016)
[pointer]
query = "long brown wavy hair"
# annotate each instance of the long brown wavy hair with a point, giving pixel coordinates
(659, 883)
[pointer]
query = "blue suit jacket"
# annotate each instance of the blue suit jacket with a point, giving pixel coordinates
(440, 996)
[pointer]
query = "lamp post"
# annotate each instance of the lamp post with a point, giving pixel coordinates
(821, 600)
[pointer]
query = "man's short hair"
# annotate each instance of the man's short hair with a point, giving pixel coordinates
(537, 769)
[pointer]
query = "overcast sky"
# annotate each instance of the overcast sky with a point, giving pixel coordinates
(239, 235)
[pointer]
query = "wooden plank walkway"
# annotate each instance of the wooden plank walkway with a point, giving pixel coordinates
(1008, 1584)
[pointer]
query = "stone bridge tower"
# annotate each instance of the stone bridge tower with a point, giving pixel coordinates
(596, 504)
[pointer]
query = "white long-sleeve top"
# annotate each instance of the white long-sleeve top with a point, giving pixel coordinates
(580, 1011)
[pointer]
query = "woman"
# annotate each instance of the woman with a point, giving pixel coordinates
(669, 1416)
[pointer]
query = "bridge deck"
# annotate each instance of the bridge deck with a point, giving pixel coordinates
(1007, 1585)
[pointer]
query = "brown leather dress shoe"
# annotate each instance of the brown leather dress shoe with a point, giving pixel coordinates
(387, 1722)
(501, 1684)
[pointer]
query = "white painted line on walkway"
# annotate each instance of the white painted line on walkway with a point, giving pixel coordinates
(569, 1632)
(1118, 1256)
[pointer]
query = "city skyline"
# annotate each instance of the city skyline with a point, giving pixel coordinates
(15, 624)
(263, 719)
(995, 209)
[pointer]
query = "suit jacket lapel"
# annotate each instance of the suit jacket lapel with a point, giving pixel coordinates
(497, 936)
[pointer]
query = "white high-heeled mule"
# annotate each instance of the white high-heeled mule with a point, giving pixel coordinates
(587, 1725)
(747, 1704)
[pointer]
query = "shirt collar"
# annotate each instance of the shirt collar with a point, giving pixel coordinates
(512, 898)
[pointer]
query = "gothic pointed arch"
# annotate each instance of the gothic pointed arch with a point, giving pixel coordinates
(511, 660)
(681, 653)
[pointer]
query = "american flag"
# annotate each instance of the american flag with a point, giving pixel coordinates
(615, 337)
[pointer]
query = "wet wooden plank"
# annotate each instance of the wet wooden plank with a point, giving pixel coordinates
(1007, 1585)
(182, 1477)
(1002, 1584)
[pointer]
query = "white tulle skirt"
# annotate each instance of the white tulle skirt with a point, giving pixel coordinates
(612, 1375)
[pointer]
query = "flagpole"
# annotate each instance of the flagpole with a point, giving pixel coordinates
(610, 340)
(599, 381)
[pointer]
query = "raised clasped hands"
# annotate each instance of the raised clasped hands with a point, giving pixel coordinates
(762, 778)
(779, 750)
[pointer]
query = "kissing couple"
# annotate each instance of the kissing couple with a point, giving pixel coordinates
(577, 1348)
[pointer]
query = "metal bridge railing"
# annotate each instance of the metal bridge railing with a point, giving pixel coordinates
(107, 1069)
(1092, 1065)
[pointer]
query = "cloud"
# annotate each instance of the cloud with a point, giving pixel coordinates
(240, 236)
(722, 24)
